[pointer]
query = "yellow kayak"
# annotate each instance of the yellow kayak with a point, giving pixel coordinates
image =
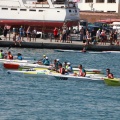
(112, 82)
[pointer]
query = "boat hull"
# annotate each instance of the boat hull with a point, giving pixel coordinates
(112, 82)
(11, 66)
(52, 74)
(37, 23)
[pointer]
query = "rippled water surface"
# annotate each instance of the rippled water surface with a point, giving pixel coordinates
(36, 98)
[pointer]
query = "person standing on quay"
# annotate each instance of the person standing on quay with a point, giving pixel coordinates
(34, 33)
(55, 31)
(28, 34)
(5, 31)
(81, 33)
(21, 32)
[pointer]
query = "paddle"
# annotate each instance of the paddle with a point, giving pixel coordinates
(9, 47)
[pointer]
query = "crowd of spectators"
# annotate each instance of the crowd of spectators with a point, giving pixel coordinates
(64, 35)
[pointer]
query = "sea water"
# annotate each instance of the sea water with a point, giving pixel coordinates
(36, 98)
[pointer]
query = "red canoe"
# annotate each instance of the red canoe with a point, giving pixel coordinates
(11, 65)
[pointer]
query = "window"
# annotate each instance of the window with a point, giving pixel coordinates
(22, 9)
(99, 1)
(111, 1)
(88, 1)
(32, 10)
(4, 8)
(13, 9)
(40, 10)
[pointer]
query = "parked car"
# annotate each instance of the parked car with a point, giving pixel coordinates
(103, 26)
(92, 27)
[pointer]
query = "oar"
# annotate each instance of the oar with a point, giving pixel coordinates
(9, 47)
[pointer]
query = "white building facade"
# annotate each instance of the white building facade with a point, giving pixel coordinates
(100, 5)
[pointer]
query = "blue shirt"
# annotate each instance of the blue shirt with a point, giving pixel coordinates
(46, 62)
(19, 57)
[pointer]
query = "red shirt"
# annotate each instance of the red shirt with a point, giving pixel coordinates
(10, 57)
(55, 32)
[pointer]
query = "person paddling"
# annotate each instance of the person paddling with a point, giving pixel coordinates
(69, 68)
(19, 56)
(46, 62)
(2, 54)
(10, 56)
(61, 69)
(82, 71)
(41, 61)
(109, 74)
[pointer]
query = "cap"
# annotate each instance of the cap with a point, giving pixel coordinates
(46, 57)
(68, 63)
(57, 59)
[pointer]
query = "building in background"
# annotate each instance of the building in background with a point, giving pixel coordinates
(112, 6)
(97, 10)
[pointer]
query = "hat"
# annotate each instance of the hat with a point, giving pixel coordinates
(46, 57)
(68, 63)
(57, 59)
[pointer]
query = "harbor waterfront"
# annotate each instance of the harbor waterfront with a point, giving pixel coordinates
(45, 43)
(37, 98)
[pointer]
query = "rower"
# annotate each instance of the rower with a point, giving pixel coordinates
(10, 56)
(41, 61)
(61, 69)
(69, 68)
(19, 56)
(65, 65)
(109, 74)
(57, 64)
(84, 49)
(2, 54)
(46, 62)
(82, 71)
(44, 58)
(54, 66)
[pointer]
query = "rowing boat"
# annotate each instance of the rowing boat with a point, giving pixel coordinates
(48, 73)
(112, 82)
(14, 60)
(76, 51)
(20, 66)
(15, 65)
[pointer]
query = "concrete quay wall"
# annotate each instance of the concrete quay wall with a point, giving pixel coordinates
(57, 45)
